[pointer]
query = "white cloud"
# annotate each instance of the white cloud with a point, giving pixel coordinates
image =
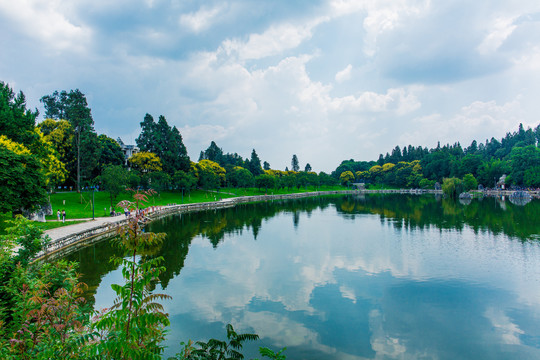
(204, 133)
(384, 345)
(379, 16)
(201, 20)
(344, 74)
(470, 123)
(507, 330)
(501, 28)
(282, 101)
(273, 41)
(399, 101)
(47, 22)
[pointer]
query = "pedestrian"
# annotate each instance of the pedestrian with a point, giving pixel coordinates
(58, 214)
(126, 212)
(63, 215)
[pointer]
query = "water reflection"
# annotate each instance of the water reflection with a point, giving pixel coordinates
(354, 277)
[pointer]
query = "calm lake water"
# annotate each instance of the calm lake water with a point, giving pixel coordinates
(374, 277)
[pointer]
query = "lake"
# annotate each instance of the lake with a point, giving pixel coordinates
(351, 277)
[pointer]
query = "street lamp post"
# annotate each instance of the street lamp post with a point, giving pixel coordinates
(93, 207)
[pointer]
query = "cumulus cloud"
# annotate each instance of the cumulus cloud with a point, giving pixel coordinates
(48, 22)
(271, 42)
(344, 74)
(283, 101)
(243, 74)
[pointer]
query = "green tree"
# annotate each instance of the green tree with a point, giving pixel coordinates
(111, 152)
(266, 165)
(469, 182)
(213, 153)
(452, 187)
(74, 108)
(531, 177)
(289, 181)
(307, 168)
(346, 178)
(40, 304)
(114, 180)
(145, 162)
(164, 141)
(255, 164)
(240, 178)
(294, 163)
(326, 179)
(426, 183)
(437, 165)
(17, 123)
(89, 158)
(160, 180)
(54, 170)
(376, 173)
(60, 134)
(184, 181)
(211, 174)
(265, 181)
(175, 155)
(491, 171)
(147, 138)
(522, 159)
(22, 181)
(55, 104)
(469, 165)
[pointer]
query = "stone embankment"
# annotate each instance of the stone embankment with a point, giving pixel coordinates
(66, 239)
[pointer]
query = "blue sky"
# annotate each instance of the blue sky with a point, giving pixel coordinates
(325, 80)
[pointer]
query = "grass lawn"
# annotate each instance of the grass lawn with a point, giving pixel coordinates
(79, 205)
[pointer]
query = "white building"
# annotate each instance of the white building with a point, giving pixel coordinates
(128, 150)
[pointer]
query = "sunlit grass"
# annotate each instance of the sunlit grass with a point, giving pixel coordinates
(79, 205)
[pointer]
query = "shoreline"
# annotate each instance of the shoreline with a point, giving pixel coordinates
(65, 239)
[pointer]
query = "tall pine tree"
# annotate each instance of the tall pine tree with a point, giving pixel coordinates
(255, 164)
(164, 141)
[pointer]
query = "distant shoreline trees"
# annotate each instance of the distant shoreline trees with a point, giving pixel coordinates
(517, 155)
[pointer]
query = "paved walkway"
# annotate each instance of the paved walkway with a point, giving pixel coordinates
(63, 231)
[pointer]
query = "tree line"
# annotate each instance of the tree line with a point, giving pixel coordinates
(517, 156)
(65, 151)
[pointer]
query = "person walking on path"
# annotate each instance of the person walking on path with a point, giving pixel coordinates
(63, 215)
(58, 215)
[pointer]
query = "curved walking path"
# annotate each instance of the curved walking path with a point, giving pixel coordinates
(89, 224)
